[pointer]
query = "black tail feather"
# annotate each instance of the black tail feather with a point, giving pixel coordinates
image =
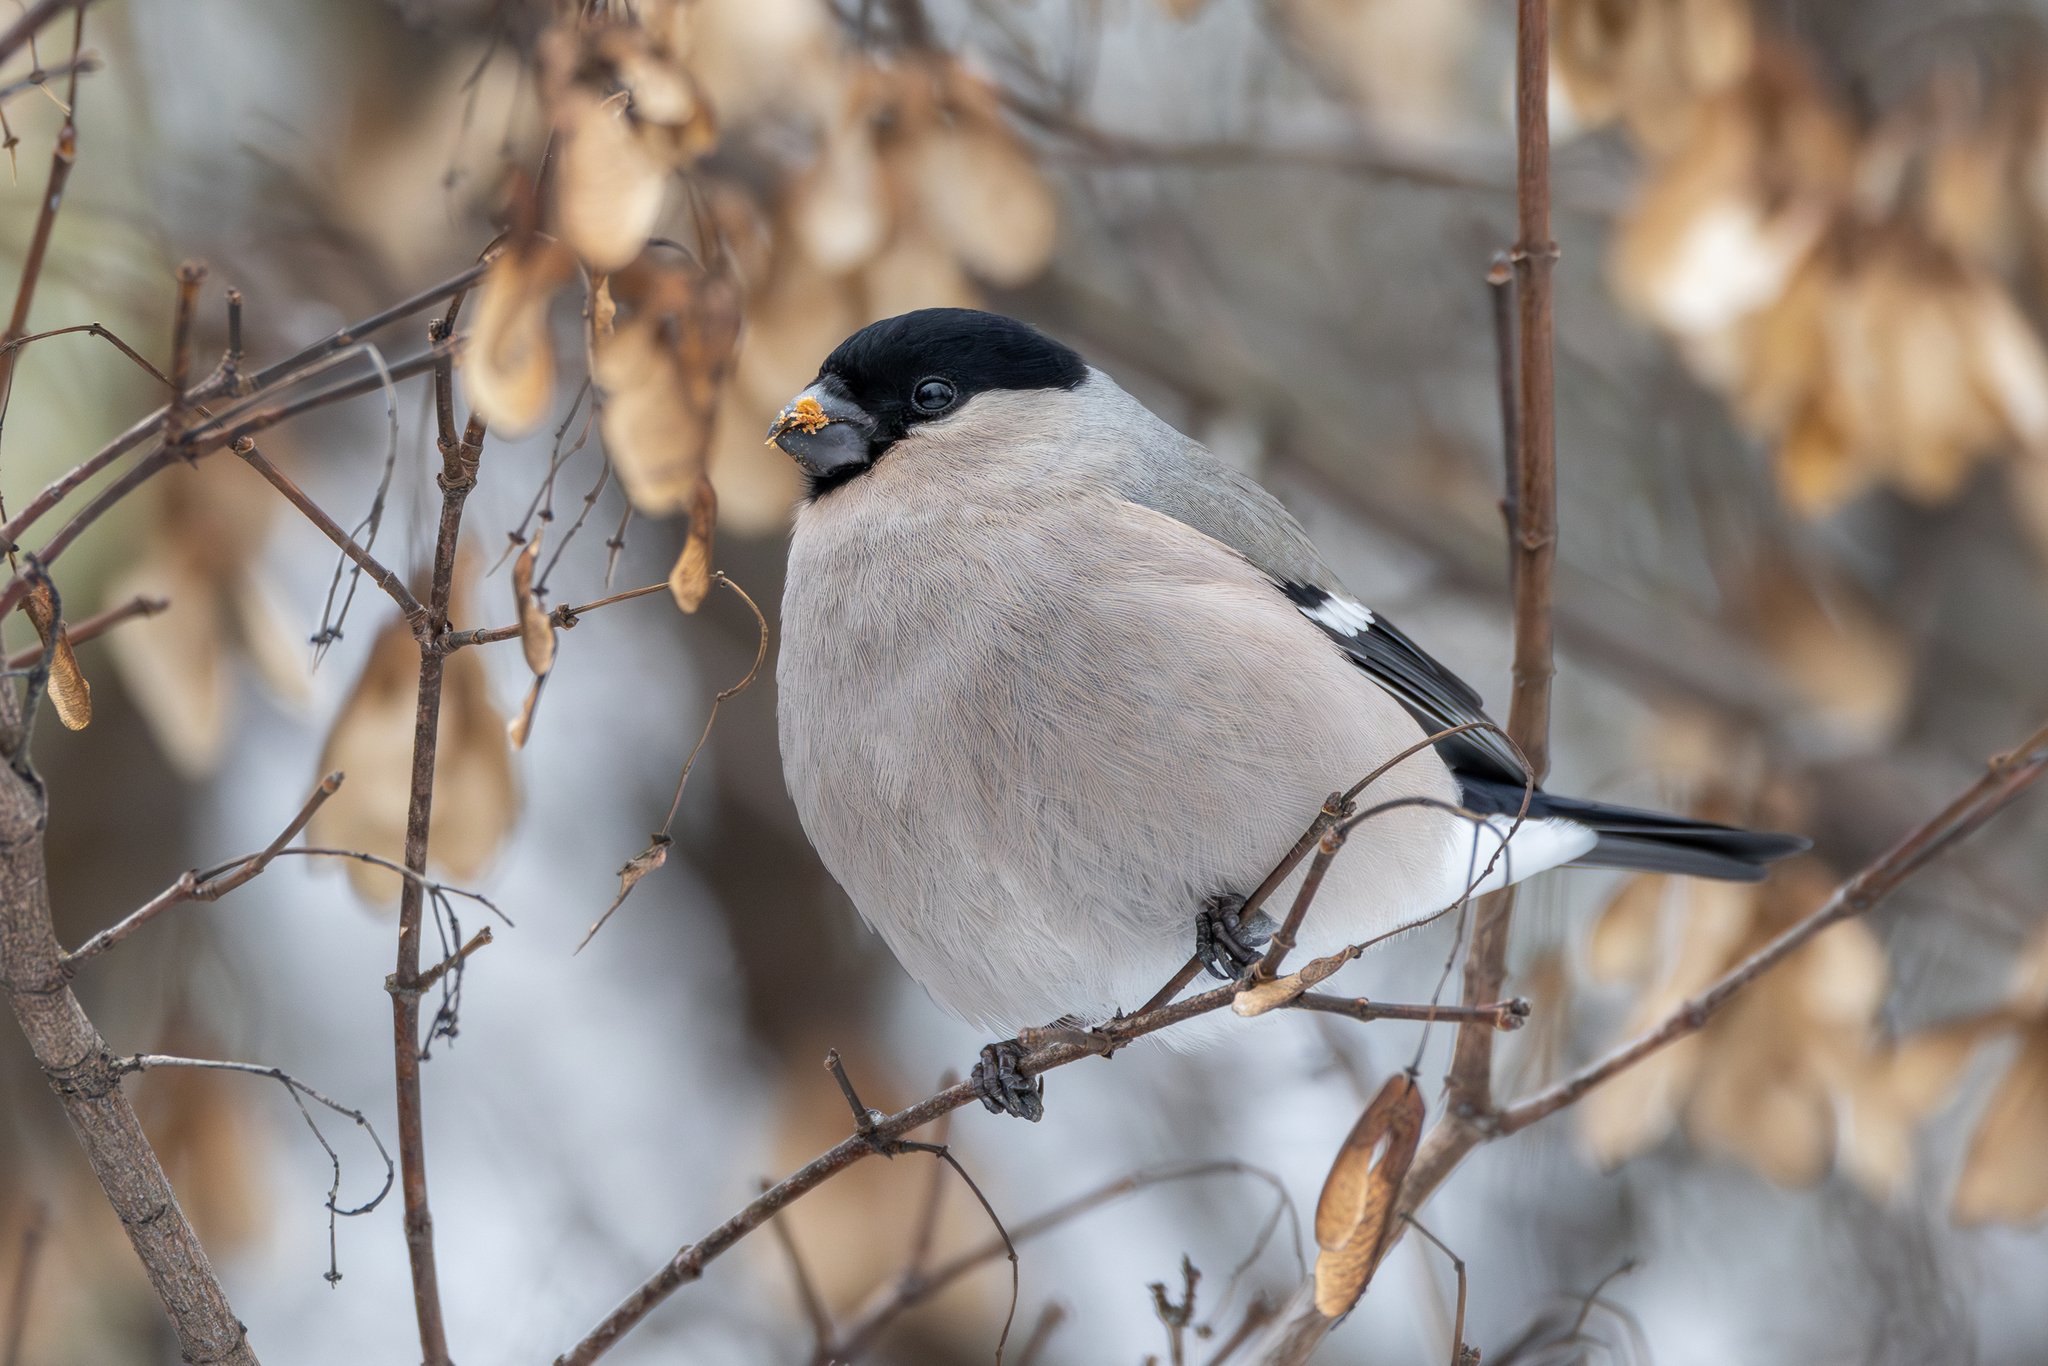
(1646, 841)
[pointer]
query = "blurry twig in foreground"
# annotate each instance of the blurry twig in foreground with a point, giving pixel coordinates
(24, 1279)
(1459, 1353)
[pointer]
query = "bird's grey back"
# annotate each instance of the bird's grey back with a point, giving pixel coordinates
(1150, 463)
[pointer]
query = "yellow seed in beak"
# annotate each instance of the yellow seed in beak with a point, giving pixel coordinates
(804, 415)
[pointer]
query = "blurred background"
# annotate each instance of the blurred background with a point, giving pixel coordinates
(1803, 582)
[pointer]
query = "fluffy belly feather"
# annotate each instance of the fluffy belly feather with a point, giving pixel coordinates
(1029, 766)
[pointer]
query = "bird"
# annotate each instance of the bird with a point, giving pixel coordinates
(1057, 688)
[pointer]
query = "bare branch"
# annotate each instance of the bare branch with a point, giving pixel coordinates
(915, 1285)
(688, 1264)
(96, 625)
(2006, 777)
(83, 1077)
(189, 276)
(209, 886)
(97, 330)
(1529, 424)
(385, 579)
(1457, 1265)
(459, 462)
(32, 19)
(564, 617)
(62, 158)
(1505, 1016)
(455, 959)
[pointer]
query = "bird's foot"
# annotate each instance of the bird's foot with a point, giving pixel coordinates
(1004, 1089)
(1225, 947)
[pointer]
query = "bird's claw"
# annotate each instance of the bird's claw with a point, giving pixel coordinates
(1004, 1089)
(1225, 947)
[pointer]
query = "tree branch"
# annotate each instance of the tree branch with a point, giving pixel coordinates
(2006, 776)
(457, 478)
(384, 578)
(688, 1264)
(564, 617)
(94, 626)
(32, 21)
(86, 1079)
(207, 886)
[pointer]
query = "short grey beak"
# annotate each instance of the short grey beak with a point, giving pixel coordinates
(822, 432)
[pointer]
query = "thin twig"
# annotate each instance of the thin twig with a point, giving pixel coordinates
(189, 276)
(93, 626)
(1532, 533)
(688, 1264)
(1503, 1015)
(2005, 778)
(208, 886)
(806, 1288)
(84, 64)
(455, 959)
(1457, 1265)
(62, 158)
(33, 18)
(890, 1302)
(97, 330)
(385, 579)
(564, 617)
(296, 1089)
(927, 1229)
(427, 885)
(1049, 1319)
(24, 1278)
(1501, 277)
(459, 462)
(197, 442)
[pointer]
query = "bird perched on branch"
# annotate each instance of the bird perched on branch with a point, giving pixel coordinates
(1059, 689)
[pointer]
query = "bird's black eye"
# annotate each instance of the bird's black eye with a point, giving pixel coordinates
(932, 395)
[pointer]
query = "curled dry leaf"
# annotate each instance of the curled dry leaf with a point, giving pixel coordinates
(622, 98)
(1724, 221)
(69, 693)
(1357, 1204)
(839, 213)
(661, 370)
(637, 867)
(611, 186)
(690, 580)
(520, 729)
(508, 369)
(536, 632)
(475, 798)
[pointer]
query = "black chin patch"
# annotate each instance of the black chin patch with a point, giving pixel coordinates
(881, 366)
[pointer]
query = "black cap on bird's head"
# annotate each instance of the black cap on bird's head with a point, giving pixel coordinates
(892, 375)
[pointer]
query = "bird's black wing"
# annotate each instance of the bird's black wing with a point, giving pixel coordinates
(1437, 698)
